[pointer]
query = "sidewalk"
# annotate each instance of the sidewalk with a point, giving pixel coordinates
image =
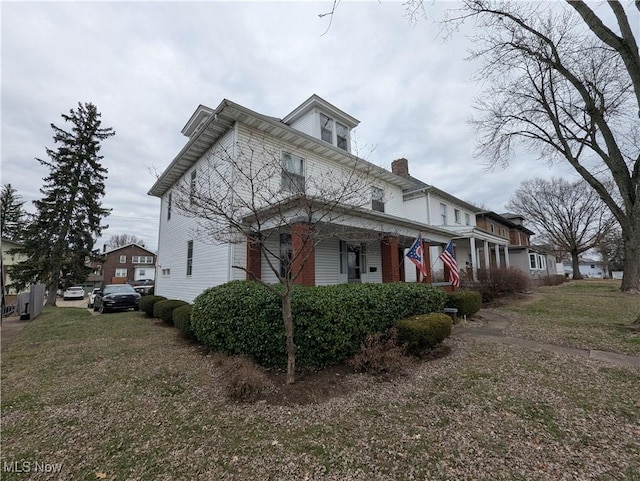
(492, 327)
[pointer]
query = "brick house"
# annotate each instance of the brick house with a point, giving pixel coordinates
(129, 264)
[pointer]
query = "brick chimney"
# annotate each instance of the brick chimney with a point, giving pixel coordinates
(400, 167)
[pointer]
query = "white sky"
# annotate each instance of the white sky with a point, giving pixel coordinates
(148, 65)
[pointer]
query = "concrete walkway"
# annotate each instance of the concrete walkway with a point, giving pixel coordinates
(491, 327)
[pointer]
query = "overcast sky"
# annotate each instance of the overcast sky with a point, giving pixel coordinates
(148, 65)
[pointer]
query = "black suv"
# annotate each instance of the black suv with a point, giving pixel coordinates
(116, 297)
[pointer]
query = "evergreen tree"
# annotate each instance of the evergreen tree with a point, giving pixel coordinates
(61, 237)
(12, 215)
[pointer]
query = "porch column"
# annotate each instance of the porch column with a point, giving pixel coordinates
(474, 258)
(498, 256)
(390, 260)
(426, 259)
(254, 258)
(303, 254)
(487, 265)
(506, 255)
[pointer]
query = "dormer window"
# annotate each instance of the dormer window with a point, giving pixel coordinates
(326, 128)
(338, 136)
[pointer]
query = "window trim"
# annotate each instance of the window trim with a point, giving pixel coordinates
(456, 215)
(123, 259)
(121, 270)
(288, 179)
(189, 258)
(377, 199)
(443, 214)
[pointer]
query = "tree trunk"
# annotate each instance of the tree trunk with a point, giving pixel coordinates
(631, 275)
(575, 261)
(287, 316)
(53, 289)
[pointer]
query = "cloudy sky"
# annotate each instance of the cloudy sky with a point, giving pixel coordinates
(148, 65)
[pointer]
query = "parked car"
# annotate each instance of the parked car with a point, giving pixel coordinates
(92, 296)
(75, 292)
(142, 290)
(116, 297)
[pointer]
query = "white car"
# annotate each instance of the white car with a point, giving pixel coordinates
(92, 297)
(76, 292)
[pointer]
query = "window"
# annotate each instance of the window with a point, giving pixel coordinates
(142, 259)
(166, 272)
(141, 272)
(123, 260)
(492, 228)
(169, 197)
(189, 257)
(286, 251)
(326, 128)
(192, 190)
(121, 272)
(456, 215)
(532, 261)
(467, 219)
(292, 173)
(443, 214)
(537, 261)
(377, 199)
(343, 257)
(342, 136)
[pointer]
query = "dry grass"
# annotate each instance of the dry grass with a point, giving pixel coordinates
(121, 397)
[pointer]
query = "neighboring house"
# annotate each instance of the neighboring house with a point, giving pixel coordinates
(9, 260)
(128, 264)
(317, 135)
(588, 268)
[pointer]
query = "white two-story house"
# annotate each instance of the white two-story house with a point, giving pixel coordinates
(285, 177)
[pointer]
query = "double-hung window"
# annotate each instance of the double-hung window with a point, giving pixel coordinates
(292, 173)
(377, 199)
(456, 216)
(342, 136)
(467, 219)
(120, 272)
(123, 259)
(189, 257)
(326, 128)
(443, 214)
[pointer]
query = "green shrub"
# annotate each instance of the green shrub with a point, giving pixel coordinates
(418, 333)
(467, 302)
(330, 322)
(147, 302)
(182, 320)
(152, 291)
(164, 309)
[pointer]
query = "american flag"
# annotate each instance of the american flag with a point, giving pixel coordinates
(415, 255)
(449, 259)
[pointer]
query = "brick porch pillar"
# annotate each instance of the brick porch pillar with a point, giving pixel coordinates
(302, 247)
(390, 260)
(254, 259)
(426, 259)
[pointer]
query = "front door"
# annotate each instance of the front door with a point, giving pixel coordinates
(353, 263)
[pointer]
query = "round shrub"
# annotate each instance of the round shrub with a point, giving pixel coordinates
(330, 322)
(147, 302)
(418, 333)
(467, 302)
(182, 320)
(164, 309)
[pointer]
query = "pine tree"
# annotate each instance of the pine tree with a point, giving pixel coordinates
(68, 220)
(12, 215)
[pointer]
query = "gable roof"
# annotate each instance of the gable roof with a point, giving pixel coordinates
(316, 101)
(129, 245)
(226, 115)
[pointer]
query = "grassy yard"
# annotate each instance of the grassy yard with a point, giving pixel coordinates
(121, 397)
(590, 314)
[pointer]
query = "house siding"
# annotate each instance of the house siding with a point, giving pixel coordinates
(112, 263)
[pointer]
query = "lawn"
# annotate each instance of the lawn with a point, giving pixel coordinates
(591, 314)
(122, 397)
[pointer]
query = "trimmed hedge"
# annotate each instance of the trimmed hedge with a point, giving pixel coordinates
(164, 309)
(182, 320)
(147, 302)
(330, 322)
(467, 302)
(423, 332)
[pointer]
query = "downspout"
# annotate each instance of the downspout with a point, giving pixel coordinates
(429, 208)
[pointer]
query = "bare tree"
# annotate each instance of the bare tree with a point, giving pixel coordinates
(569, 215)
(121, 240)
(564, 82)
(256, 194)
